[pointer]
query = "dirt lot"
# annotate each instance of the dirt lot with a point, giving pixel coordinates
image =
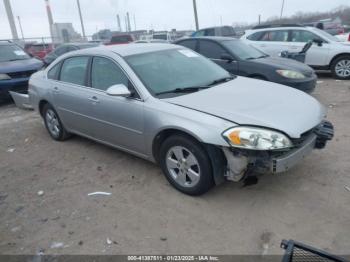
(145, 214)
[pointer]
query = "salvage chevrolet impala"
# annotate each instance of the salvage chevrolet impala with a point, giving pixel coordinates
(172, 106)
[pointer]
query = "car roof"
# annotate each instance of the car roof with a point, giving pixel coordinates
(6, 43)
(129, 49)
(281, 28)
(214, 38)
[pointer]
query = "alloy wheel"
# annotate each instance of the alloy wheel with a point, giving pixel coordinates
(342, 68)
(53, 123)
(183, 166)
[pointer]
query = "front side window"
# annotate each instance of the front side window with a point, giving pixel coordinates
(168, 70)
(74, 70)
(303, 36)
(211, 49)
(12, 52)
(53, 72)
(105, 73)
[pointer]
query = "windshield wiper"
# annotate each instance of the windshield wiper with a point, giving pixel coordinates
(17, 59)
(221, 80)
(183, 90)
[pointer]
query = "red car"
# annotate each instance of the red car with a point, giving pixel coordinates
(38, 50)
(121, 39)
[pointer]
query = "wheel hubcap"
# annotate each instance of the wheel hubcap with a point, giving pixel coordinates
(52, 123)
(183, 166)
(342, 68)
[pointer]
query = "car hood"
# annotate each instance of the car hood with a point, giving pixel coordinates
(246, 101)
(285, 63)
(20, 65)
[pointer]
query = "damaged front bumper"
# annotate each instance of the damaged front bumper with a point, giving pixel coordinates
(242, 162)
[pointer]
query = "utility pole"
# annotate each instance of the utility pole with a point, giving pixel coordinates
(11, 19)
(49, 16)
(81, 20)
(20, 26)
(119, 25)
(134, 22)
(259, 20)
(282, 9)
(195, 14)
(128, 18)
(126, 24)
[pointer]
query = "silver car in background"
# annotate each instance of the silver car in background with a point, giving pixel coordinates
(172, 106)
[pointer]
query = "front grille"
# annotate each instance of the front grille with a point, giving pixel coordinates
(23, 74)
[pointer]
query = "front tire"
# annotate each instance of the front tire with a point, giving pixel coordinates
(53, 124)
(186, 165)
(340, 67)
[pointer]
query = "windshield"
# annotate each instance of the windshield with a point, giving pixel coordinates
(326, 35)
(243, 51)
(12, 53)
(167, 70)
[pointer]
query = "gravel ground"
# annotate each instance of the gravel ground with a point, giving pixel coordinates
(144, 214)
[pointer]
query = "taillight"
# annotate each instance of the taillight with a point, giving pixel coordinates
(349, 37)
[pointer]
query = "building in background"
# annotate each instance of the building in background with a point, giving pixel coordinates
(64, 33)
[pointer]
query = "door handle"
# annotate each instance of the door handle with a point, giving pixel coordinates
(55, 89)
(263, 45)
(294, 47)
(94, 100)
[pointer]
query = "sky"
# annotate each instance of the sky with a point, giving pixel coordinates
(150, 14)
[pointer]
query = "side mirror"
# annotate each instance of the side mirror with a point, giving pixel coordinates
(227, 57)
(318, 42)
(118, 90)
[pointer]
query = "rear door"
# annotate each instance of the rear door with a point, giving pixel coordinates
(72, 98)
(214, 51)
(271, 42)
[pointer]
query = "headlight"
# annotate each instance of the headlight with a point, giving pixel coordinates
(290, 74)
(256, 138)
(4, 77)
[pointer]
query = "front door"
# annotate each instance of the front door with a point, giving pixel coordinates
(116, 120)
(318, 53)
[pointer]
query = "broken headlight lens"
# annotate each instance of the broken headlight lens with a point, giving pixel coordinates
(256, 138)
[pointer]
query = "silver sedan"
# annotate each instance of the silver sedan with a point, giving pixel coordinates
(172, 106)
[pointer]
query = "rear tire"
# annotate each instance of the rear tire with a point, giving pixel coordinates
(53, 124)
(186, 165)
(340, 67)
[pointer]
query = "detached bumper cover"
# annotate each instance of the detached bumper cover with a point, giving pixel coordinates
(316, 139)
(293, 157)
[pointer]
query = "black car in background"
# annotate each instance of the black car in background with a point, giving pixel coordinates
(65, 48)
(242, 59)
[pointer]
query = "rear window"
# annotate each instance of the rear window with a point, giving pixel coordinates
(74, 70)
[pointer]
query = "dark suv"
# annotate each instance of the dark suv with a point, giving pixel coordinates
(16, 66)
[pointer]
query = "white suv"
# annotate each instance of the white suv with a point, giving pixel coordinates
(327, 52)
